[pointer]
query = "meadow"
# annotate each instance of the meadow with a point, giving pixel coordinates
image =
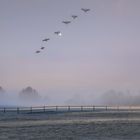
(70, 125)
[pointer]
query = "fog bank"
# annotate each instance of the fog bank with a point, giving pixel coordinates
(32, 97)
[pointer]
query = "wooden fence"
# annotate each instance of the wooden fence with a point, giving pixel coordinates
(44, 109)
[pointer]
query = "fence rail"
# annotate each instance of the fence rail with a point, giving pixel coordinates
(67, 108)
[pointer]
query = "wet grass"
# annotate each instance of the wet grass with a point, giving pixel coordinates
(71, 126)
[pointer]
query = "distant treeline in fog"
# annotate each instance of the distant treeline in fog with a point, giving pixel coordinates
(27, 93)
(30, 96)
(27, 96)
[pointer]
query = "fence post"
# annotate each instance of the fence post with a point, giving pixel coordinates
(44, 108)
(81, 108)
(4, 110)
(118, 108)
(30, 109)
(68, 108)
(56, 108)
(106, 108)
(17, 110)
(93, 108)
(130, 108)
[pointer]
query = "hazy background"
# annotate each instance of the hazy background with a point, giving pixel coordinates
(97, 53)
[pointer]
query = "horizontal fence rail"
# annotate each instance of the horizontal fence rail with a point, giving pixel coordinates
(42, 109)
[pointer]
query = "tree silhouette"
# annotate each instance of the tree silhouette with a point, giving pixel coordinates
(29, 94)
(2, 91)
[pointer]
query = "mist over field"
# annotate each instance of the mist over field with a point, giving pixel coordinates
(94, 61)
(70, 69)
(31, 97)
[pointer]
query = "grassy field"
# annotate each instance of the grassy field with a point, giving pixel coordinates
(104, 125)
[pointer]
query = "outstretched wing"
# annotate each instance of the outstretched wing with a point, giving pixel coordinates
(74, 16)
(66, 22)
(85, 10)
(42, 48)
(37, 51)
(58, 33)
(46, 39)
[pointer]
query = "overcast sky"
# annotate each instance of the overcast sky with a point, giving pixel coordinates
(98, 50)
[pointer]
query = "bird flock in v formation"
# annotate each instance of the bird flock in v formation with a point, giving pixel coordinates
(58, 33)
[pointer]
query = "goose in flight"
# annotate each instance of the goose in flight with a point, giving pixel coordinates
(58, 33)
(42, 48)
(37, 51)
(74, 16)
(85, 9)
(66, 22)
(46, 39)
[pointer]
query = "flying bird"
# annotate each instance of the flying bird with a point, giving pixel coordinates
(66, 22)
(37, 51)
(46, 39)
(85, 10)
(58, 33)
(74, 16)
(42, 48)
